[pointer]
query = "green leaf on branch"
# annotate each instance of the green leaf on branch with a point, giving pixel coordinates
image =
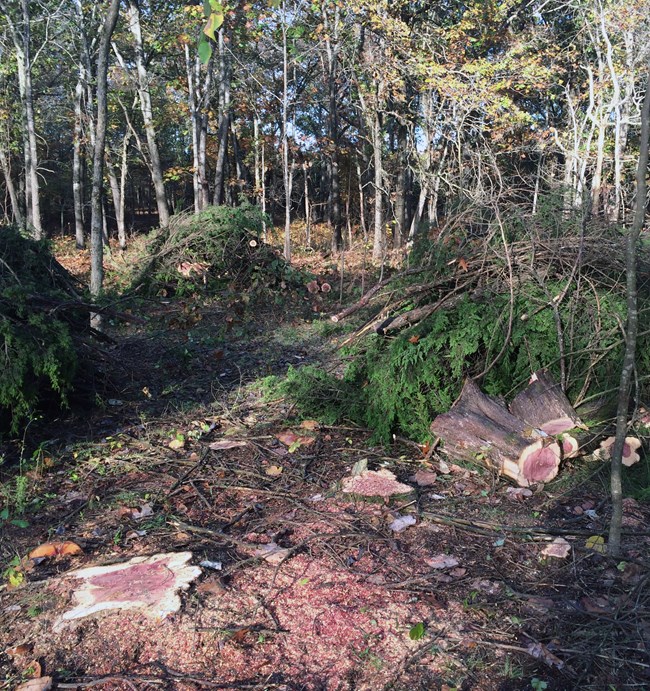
(205, 50)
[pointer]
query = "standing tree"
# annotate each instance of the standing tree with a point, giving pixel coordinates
(20, 30)
(632, 326)
(96, 239)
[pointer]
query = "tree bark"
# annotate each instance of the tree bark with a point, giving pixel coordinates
(479, 429)
(631, 330)
(11, 189)
(96, 246)
(133, 17)
(224, 121)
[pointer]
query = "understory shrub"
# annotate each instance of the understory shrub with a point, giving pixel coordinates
(38, 359)
(218, 248)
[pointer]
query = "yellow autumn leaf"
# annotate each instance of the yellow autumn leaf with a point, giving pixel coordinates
(597, 543)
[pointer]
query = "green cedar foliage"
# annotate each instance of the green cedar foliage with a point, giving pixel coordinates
(226, 241)
(398, 385)
(38, 356)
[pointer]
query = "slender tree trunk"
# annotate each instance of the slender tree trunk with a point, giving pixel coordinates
(133, 16)
(305, 171)
(286, 171)
(22, 44)
(332, 50)
(194, 124)
(11, 189)
(77, 168)
(402, 186)
(224, 120)
(614, 546)
(379, 236)
(96, 246)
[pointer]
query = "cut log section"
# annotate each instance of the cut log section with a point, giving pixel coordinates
(543, 405)
(479, 428)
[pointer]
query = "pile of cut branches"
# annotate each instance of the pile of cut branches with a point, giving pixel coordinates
(41, 317)
(217, 248)
(528, 295)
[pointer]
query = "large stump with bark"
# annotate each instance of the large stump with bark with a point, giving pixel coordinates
(480, 429)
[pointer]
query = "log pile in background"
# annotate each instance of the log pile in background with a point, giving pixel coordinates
(526, 443)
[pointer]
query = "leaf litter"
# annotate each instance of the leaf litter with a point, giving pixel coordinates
(316, 590)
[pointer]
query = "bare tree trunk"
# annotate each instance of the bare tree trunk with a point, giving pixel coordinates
(401, 187)
(133, 16)
(11, 189)
(22, 44)
(77, 168)
(194, 124)
(96, 246)
(616, 105)
(625, 385)
(379, 237)
(332, 50)
(286, 171)
(305, 170)
(260, 187)
(224, 120)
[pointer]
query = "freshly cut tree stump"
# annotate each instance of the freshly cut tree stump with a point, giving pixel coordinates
(543, 405)
(478, 428)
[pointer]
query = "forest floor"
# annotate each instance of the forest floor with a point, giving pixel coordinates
(302, 586)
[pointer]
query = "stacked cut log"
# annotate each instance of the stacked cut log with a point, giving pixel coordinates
(526, 443)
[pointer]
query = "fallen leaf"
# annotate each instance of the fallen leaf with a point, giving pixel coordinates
(238, 635)
(272, 553)
(441, 561)
(559, 548)
(55, 549)
(274, 470)
(287, 437)
(462, 262)
(597, 605)
(425, 478)
(143, 512)
(310, 424)
(519, 493)
(402, 523)
(34, 670)
(210, 588)
(224, 444)
(540, 652)
(597, 543)
(176, 444)
(23, 649)
(41, 684)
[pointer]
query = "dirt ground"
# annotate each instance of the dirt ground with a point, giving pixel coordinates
(307, 587)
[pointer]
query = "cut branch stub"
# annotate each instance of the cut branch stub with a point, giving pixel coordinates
(478, 428)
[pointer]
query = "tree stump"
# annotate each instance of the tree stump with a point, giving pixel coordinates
(543, 405)
(479, 428)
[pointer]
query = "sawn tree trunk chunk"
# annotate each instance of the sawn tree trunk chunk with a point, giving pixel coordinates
(543, 405)
(478, 428)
